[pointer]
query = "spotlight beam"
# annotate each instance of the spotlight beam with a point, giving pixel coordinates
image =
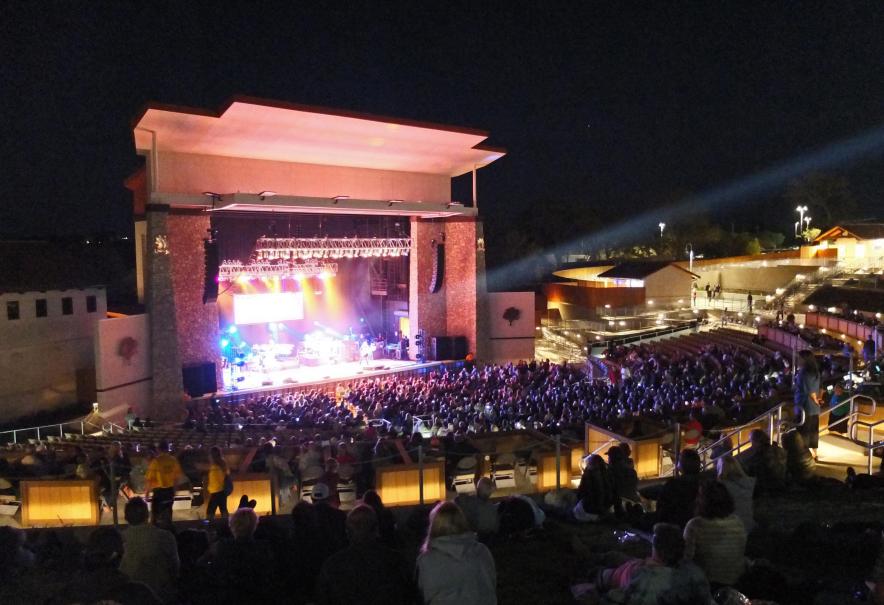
(847, 151)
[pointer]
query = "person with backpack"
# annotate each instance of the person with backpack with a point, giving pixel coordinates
(219, 485)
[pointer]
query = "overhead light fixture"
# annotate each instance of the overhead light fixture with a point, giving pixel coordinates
(455, 204)
(264, 194)
(391, 202)
(338, 198)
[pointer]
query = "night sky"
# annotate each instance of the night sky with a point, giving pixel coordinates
(613, 109)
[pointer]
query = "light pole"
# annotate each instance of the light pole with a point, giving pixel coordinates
(801, 210)
(662, 227)
(797, 228)
(690, 251)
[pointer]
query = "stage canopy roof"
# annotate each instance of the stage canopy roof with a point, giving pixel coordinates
(273, 130)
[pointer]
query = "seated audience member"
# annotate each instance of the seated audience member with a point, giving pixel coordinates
(623, 478)
(715, 539)
(741, 487)
(664, 577)
(13, 553)
(195, 585)
(242, 567)
(677, 498)
(332, 523)
(454, 568)
(799, 459)
(386, 522)
(151, 554)
(518, 514)
(307, 553)
(765, 461)
(481, 514)
(692, 431)
(366, 571)
(100, 579)
(596, 492)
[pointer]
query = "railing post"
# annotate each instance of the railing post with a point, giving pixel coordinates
(60, 432)
(558, 462)
(38, 433)
(82, 428)
(770, 427)
(676, 448)
(779, 425)
(14, 437)
(420, 472)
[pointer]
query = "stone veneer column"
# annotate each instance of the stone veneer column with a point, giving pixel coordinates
(425, 310)
(197, 323)
(466, 298)
(166, 386)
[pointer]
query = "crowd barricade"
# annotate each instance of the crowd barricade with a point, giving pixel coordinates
(400, 484)
(60, 502)
(257, 486)
(793, 342)
(647, 452)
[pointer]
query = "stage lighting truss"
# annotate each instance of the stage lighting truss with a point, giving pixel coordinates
(230, 270)
(287, 248)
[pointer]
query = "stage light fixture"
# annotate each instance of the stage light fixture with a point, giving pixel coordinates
(391, 202)
(266, 194)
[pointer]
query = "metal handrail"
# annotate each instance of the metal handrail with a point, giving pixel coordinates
(774, 418)
(37, 429)
(853, 414)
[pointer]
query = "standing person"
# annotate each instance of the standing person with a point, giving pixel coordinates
(749, 300)
(807, 399)
(869, 350)
(130, 418)
(454, 568)
(163, 474)
(708, 292)
(219, 484)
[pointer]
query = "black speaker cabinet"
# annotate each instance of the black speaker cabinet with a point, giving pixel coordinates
(199, 378)
(440, 348)
(459, 347)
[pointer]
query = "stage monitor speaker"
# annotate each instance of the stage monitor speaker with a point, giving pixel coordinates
(199, 378)
(210, 283)
(459, 347)
(440, 348)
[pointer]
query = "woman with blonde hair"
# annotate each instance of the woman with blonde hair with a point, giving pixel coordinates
(741, 488)
(219, 484)
(454, 568)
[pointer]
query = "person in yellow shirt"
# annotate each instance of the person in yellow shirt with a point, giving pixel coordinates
(216, 484)
(163, 474)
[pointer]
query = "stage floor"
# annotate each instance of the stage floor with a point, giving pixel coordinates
(254, 381)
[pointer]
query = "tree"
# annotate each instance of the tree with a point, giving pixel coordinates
(827, 196)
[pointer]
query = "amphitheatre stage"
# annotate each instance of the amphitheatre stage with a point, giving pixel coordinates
(319, 376)
(281, 244)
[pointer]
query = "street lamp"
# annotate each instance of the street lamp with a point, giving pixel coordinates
(662, 227)
(797, 228)
(690, 251)
(801, 210)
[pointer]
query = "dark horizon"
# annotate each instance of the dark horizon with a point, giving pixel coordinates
(610, 111)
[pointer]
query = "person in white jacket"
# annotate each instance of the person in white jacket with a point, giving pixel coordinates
(454, 568)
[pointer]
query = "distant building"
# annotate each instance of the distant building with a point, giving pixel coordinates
(860, 243)
(594, 291)
(47, 347)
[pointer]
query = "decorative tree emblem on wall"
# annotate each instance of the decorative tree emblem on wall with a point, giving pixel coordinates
(512, 314)
(127, 348)
(160, 245)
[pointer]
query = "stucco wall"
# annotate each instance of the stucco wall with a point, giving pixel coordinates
(122, 381)
(191, 173)
(762, 279)
(40, 356)
(510, 342)
(668, 284)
